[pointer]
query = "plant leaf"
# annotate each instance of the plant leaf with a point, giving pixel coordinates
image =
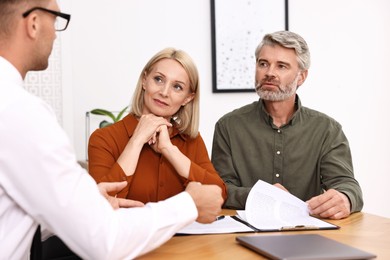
(104, 123)
(119, 116)
(99, 111)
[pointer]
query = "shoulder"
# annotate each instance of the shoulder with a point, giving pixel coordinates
(319, 118)
(29, 108)
(188, 139)
(243, 113)
(115, 132)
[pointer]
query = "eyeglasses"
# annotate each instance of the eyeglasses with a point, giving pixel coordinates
(60, 25)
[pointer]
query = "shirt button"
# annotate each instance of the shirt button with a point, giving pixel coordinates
(277, 175)
(278, 152)
(279, 131)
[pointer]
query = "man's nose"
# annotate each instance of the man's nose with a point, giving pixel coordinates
(270, 71)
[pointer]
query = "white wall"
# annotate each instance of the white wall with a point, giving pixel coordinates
(108, 43)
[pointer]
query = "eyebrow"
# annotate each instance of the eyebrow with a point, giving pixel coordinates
(177, 81)
(284, 63)
(278, 62)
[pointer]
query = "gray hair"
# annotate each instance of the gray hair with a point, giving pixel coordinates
(289, 40)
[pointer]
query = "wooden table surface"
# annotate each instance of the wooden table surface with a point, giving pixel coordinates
(361, 230)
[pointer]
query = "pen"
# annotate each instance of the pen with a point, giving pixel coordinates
(300, 227)
(219, 217)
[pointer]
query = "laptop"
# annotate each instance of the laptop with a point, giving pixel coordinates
(304, 246)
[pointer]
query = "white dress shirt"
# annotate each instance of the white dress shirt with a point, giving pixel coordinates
(41, 183)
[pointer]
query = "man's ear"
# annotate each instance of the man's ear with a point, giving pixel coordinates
(32, 25)
(302, 77)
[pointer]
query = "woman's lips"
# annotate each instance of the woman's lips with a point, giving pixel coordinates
(160, 103)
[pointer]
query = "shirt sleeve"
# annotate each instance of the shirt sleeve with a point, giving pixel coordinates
(46, 182)
(221, 157)
(337, 168)
(103, 166)
(202, 170)
(102, 160)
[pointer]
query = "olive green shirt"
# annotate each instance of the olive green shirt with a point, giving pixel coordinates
(308, 155)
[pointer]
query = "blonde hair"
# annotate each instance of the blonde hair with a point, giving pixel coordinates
(186, 118)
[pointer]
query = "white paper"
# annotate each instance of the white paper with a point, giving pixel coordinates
(267, 208)
(223, 226)
(271, 208)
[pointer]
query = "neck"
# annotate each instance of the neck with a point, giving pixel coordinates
(280, 111)
(15, 56)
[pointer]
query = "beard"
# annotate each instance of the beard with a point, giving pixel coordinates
(41, 64)
(42, 52)
(42, 60)
(283, 93)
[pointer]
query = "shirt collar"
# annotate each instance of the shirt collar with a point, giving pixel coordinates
(131, 122)
(267, 117)
(9, 72)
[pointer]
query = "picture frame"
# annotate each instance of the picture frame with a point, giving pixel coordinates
(237, 27)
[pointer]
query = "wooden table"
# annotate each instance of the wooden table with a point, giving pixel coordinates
(361, 230)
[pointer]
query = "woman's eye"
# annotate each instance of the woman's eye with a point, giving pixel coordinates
(177, 87)
(158, 79)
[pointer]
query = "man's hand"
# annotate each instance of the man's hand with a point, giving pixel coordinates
(332, 204)
(115, 187)
(208, 200)
(280, 186)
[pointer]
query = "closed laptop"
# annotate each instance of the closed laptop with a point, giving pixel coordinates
(304, 246)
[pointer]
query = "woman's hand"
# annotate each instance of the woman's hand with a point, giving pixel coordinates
(161, 139)
(145, 132)
(164, 146)
(148, 125)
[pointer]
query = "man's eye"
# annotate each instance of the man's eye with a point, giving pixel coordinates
(262, 64)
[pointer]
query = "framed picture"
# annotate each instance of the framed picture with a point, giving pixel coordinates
(237, 27)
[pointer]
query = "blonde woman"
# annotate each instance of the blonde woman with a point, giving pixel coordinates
(157, 148)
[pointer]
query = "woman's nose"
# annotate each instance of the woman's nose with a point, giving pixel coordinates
(164, 90)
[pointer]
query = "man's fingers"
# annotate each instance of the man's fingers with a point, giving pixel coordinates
(113, 187)
(332, 204)
(318, 201)
(125, 203)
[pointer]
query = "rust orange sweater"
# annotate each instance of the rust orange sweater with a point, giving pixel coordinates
(155, 178)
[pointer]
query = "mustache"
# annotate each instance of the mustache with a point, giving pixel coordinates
(267, 80)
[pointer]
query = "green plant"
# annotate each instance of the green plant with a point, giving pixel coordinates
(104, 112)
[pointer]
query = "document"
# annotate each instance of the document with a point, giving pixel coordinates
(267, 208)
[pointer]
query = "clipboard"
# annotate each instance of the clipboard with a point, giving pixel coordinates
(234, 224)
(267, 209)
(325, 226)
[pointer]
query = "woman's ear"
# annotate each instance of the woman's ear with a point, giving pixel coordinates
(188, 99)
(144, 79)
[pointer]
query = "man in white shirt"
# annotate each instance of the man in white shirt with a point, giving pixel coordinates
(40, 180)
